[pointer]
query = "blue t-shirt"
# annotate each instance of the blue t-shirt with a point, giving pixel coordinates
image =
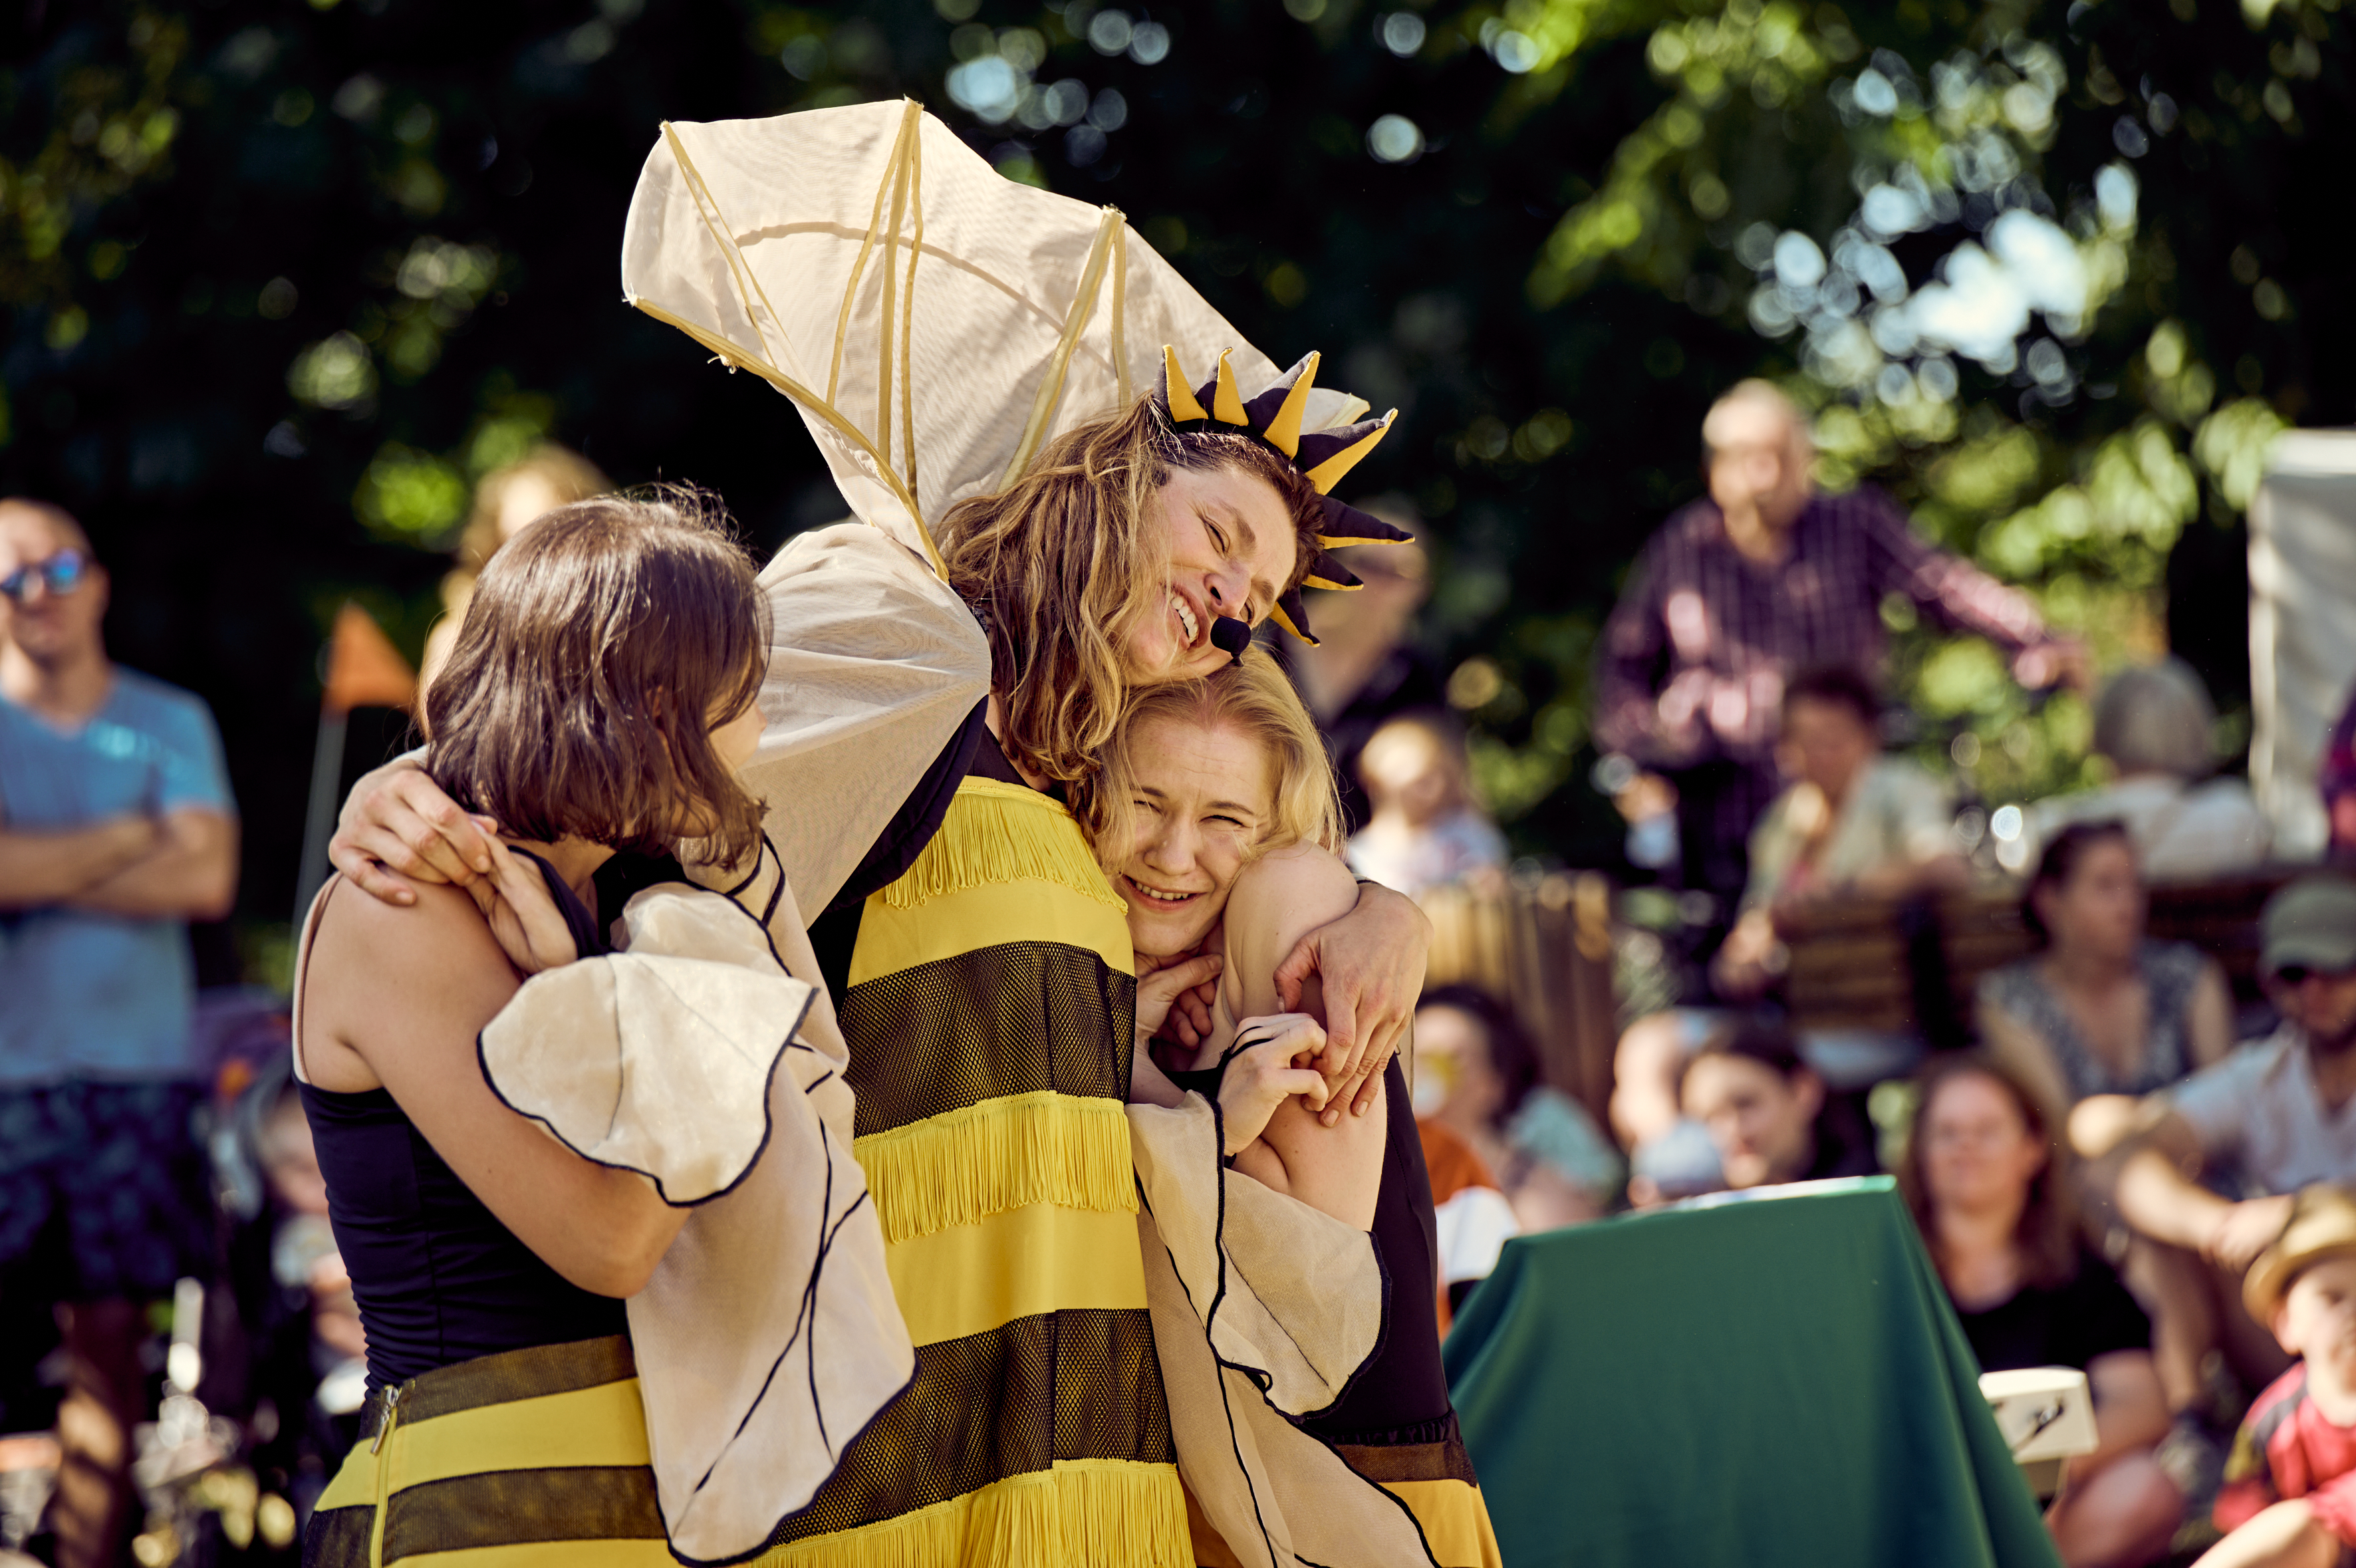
(85, 995)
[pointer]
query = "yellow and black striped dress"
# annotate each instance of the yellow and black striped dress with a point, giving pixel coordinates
(988, 1006)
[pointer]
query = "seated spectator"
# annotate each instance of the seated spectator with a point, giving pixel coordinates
(1477, 1076)
(2271, 1117)
(1767, 1112)
(1426, 830)
(1853, 824)
(2154, 724)
(2289, 1496)
(1473, 1218)
(2335, 780)
(2104, 1013)
(1987, 1183)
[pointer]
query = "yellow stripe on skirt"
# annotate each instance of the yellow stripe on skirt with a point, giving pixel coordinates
(527, 1459)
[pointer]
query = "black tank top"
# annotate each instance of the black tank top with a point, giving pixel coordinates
(1400, 1394)
(437, 1278)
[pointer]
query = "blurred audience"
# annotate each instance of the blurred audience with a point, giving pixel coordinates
(1854, 824)
(2155, 726)
(2271, 1117)
(1767, 1113)
(2103, 1014)
(2336, 780)
(116, 829)
(506, 500)
(2289, 1497)
(1473, 1218)
(1739, 592)
(1477, 1076)
(1987, 1182)
(1364, 669)
(1426, 830)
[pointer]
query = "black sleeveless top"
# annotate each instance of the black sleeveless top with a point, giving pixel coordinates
(437, 1278)
(1401, 1395)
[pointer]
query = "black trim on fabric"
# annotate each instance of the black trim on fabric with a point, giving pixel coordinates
(769, 1080)
(1016, 1018)
(806, 1316)
(1080, 1383)
(769, 1123)
(516, 1508)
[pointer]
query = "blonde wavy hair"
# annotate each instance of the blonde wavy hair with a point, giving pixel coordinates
(1062, 569)
(1252, 697)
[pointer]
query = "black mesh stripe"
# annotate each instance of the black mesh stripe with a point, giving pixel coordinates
(1013, 1019)
(1445, 1461)
(511, 1507)
(528, 1373)
(1062, 1385)
(338, 1538)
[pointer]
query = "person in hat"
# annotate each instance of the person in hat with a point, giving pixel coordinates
(2274, 1116)
(2289, 1496)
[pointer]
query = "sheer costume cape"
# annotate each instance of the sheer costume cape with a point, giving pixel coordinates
(936, 324)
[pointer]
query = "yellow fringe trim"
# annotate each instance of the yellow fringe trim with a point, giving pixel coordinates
(996, 833)
(963, 1167)
(1081, 1514)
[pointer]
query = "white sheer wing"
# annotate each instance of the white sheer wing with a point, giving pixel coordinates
(933, 320)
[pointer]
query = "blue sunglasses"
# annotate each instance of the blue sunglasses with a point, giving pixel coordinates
(61, 574)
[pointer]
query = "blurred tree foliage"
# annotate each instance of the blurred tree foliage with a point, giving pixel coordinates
(283, 278)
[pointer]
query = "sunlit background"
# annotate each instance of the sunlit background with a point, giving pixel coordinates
(284, 279)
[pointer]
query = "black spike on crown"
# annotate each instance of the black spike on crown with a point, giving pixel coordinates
(1322, 457)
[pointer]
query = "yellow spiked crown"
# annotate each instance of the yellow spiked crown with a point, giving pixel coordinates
(1324, 457)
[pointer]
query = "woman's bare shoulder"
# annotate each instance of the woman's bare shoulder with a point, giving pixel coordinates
(1297, 874)
(364, 948)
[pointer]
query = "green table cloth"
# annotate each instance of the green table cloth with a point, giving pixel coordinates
(1774, 1379)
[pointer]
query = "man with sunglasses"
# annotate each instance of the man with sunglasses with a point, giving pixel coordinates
(117, 829)
(2271, 1117)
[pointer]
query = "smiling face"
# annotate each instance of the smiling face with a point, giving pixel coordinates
(1203, 798)
(2098, 909)
(1978, 1153)
(2316, 1319)
(1762, 1122)
(1232, 550)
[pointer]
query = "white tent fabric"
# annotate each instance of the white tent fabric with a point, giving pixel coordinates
(2302, 636)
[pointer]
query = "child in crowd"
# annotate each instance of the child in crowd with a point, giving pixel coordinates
(1426, 829)
(2290, 1486)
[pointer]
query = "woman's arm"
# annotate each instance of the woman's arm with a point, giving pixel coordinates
(2130, 1410)
(1369, 962)
(2208, 1017)
(396, 997)
(1335, 1169)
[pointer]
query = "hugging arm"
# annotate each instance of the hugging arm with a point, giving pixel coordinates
(399, 828)
(1333, 1168)
(1368, 966)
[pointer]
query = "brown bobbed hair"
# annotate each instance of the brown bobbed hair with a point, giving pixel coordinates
(2047, 1237)
(1253, 697)
(1062, 568)
(2063, 854)
(602, 645)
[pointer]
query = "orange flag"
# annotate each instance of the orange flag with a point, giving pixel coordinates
(364, 670)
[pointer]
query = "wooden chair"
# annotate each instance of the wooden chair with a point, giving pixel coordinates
(1544, 949)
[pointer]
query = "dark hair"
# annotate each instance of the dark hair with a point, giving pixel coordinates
(601, 647)
(2047, 1237)
(1840, 684)
(1511, 1055)
(2060, 862)
(1757, 1037)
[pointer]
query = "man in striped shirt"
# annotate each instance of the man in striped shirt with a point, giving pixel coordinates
(1738, 592)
